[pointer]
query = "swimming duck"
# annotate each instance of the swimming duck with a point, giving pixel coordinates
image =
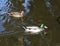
(17, 14)
(34, 29)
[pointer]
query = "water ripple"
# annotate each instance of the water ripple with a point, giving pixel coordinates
(49, 7)
(5, 7)
(26, 5)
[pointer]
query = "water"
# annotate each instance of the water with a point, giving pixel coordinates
(26, 4)
(5, 7)
(49, 7)
(36, 12)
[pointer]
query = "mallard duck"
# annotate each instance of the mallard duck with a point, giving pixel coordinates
(17, 14)
(33, 29)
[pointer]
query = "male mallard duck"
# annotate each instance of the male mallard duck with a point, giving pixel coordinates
(17, 14)
(35, 29)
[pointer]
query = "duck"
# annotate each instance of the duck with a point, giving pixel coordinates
(34, 29)
(17, 15)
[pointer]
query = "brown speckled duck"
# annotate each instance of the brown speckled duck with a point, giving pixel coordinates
(17, 14)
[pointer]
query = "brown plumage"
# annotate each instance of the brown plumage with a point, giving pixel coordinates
(17, 14)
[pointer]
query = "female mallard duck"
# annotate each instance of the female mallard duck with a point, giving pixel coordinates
(17, 14)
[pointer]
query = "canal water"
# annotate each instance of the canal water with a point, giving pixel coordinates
(36, 12)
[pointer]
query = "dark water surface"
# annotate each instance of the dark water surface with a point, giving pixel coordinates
(36, 12)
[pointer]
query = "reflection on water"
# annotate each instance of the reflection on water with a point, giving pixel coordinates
(5, 7)
(27, 42)
(49, 6)
(26, 5)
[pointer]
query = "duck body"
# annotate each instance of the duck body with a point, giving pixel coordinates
(33, 29)
(16, 14)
